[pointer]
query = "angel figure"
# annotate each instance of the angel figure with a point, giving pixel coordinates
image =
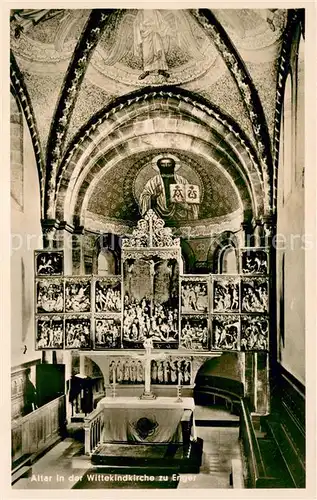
(151, 34)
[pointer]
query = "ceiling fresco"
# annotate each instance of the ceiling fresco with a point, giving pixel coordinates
(230, 57)
(116, 65)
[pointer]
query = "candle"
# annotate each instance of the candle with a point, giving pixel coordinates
(113, 376)
(194, 435)
(179, 379)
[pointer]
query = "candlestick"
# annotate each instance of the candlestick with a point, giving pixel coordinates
(113, 382)
(179, 394)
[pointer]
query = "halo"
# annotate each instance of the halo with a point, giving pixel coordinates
(165, 155)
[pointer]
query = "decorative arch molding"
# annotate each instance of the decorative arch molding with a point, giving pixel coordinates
(72, 83)
(291, 35)
(131, 106)
(137, 122)
(76, 200)
(247, 90)
(19, 91)
(188, 256)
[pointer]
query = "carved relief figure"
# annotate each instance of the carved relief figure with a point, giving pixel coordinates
(254, 261)
(108, 333)
(226, 330)
(226, 295)
(50, 296)
(254, 295)
(171, 371)
(254, 333)
(50, 332)
(108, 296)
(140, 320)
(77, 295)
(194, 296)
(49, 263)
(127, 371)
(77, 332)
(150, 301)
(194, 332)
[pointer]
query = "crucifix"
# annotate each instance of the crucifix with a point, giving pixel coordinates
(146, 359)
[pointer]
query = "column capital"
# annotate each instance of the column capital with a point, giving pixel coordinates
(269, 220)
(49, 227)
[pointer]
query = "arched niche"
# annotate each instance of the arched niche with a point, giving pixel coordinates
(228, 261)
(106, 263)
(223, 257)
(106, 257)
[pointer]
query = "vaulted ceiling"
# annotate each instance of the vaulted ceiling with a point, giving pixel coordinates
(75, 66)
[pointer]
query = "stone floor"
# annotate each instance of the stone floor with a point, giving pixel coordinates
(64, 464)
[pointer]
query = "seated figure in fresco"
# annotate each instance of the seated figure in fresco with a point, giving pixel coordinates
(157, 194)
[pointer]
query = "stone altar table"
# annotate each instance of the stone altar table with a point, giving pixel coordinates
(161, 420)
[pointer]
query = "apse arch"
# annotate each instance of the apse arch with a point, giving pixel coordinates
(133, 144)
(203, 152)
(131, 107)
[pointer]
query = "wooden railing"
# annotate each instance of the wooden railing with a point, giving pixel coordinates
(93, 426)
(33, 432)
(251, 447)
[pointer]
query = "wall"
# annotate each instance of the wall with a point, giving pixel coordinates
(25, 237)
(228, 365)
(291, 242)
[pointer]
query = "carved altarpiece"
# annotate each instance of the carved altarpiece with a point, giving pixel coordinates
(187, 318)
(151, 285)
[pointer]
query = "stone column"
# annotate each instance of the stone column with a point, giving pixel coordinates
(78, 253)
(65, 242)
(258, 233)
(246, 234)
(89, 247)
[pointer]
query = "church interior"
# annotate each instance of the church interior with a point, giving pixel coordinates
(158, 248)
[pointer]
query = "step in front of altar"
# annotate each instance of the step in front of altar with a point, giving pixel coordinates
(167, 456)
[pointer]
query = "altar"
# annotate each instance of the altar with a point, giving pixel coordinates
(161, 420)
(156, 434)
